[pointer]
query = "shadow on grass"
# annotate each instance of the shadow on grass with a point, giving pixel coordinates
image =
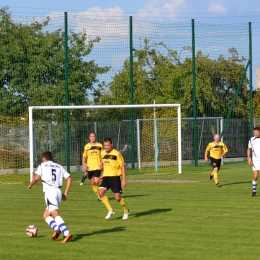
(235, 183)
(144, 213)
(129, 196)
(150, 212)
(133, 196)
(103, 231)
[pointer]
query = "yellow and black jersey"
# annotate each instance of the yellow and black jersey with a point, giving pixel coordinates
(215, 150)
(112, 163)
(93, 154)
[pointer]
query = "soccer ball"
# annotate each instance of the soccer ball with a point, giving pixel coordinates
(32, 231)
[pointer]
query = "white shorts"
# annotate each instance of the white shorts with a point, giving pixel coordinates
(256, 165)
(53, 198)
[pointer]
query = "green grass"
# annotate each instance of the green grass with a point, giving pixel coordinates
(168, 220)
(14, 178)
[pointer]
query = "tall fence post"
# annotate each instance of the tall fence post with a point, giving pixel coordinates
(195, 138)
(132, 92)
(66, 90)
(250, 80)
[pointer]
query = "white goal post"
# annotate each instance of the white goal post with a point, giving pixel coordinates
(31, 121)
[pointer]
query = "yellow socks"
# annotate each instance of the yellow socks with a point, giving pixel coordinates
(123, 204)
(109, 207)
(106, 203)
(95, 189)
(215, 177)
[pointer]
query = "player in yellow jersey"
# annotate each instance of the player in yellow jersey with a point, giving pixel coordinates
(91, 161)
(113, 168)
(216, 151)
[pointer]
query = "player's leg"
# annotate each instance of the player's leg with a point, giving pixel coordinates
(104, 186)
(84, 176)
(62, 226)
(216, 167)
(95, 182)
(211, 174)
(122, 202)
(53, 198)
(52, 223)
(117, 190)
(215, 175)
(254, 181)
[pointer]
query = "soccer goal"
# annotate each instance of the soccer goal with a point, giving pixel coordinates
(147, 135)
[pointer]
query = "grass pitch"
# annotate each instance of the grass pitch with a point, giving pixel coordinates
(172, 216)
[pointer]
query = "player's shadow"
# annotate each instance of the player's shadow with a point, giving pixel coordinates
(103, 231)
(144, 213)
(235, 183)
(150, 212)
(133, 196)
(129, 196)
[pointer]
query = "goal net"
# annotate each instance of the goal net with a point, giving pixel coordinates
(148, 135)
(14, 149)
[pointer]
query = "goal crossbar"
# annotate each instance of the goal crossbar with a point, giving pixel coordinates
(31, 108)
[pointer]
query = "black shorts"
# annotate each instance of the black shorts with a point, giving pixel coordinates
(92, 174)
(215, 163)
(113, 183)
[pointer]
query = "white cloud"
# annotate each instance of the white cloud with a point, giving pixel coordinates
(103, 14)
(217, 8)
(96, 13)
(159, 8)
(99, 22)
(173, 6)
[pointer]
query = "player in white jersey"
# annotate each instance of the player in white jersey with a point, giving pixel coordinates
(52, 175)
(254, 151)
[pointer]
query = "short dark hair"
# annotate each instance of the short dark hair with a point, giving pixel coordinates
(106, 140)
(257, 128)
(47, 155)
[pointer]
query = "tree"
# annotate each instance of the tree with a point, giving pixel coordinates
(217, 82)
(161, 75)
(32, 73)
(32, 65)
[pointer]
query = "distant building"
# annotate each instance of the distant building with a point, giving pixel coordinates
(258, 77)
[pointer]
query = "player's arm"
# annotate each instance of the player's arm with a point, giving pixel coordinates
(36, 177)
(221, 155)
(123, 181)
(101, 166)
(68, 184)
(206, 156)
(225, 150)
(84, 164)
(249, 160)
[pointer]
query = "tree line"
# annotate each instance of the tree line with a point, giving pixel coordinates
(32, 73)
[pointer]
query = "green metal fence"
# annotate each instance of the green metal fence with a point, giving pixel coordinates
(74, 60)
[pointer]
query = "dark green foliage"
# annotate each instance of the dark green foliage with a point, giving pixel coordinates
(32, 65)
(161, 75)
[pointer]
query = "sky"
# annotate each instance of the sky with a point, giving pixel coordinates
(228, 12)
